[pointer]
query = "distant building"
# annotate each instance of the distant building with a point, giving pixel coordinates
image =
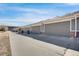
(7, 28)
(11, 28)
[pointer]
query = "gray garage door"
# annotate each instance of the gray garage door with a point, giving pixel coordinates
(61, 28)
(36, 29)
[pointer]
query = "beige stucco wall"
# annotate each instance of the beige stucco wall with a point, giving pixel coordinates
(25, 29)
(61, 28)
(36, 29)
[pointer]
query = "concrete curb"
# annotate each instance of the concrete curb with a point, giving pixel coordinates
(70, 52)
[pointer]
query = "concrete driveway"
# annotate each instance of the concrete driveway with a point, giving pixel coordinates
(27, 46)
(57, 40)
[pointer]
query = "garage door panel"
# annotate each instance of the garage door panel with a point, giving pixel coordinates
(61, 28)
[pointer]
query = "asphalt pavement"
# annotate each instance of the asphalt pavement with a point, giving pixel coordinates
(66, 42)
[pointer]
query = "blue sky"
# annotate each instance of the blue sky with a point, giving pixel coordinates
(20, 14)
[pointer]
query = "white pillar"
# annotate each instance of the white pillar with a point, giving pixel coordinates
(44, 28)
(70, 25)
(40, 28)
(75, 26)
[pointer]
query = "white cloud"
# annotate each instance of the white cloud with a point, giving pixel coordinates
(32, 15)
(8, 23)
(29, 18)
(24, 9)
(33, 10)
